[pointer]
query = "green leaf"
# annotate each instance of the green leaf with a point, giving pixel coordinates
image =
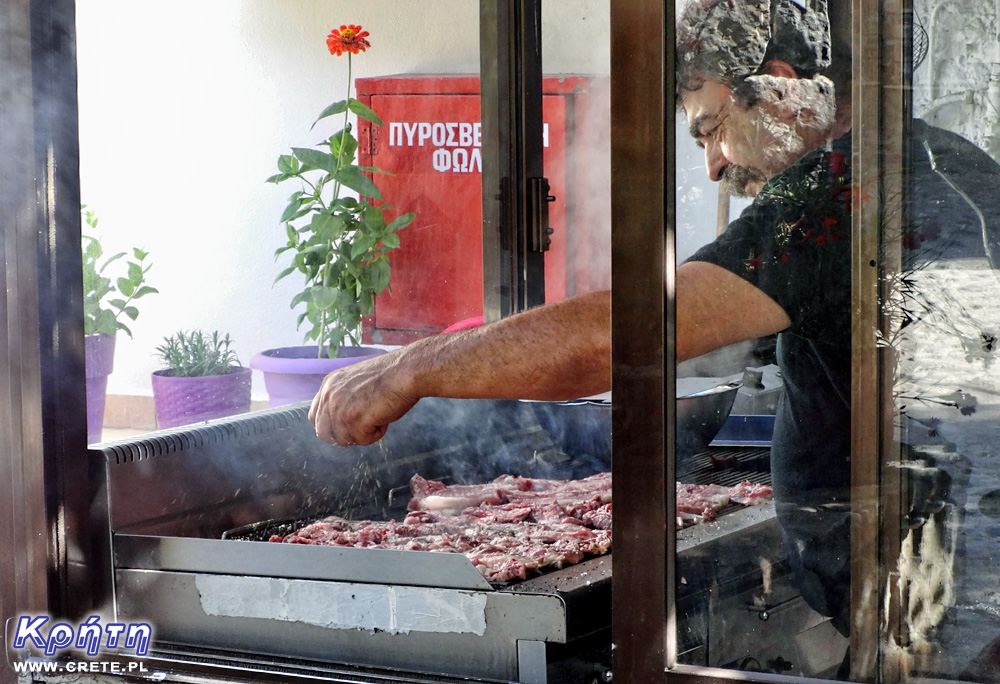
(145, 290)
(335, 108)
(105, 323)
(132, 312)
(125, 286)
(375, 169)
(277, 178)
(367, 303)
(320, 225)
(365, 113)
(324, 297)
(362, 245)
(288, 271)
(134, 273)
(294, 203)
(287, 164)
(139, 254)
(303, 296)
(107, 263)
(358, 182)
(316, 159)
(316, 249)
(391, 241)
(121, 326)
(401, 222)
(345, 301)
(350, 145)
(379, 273)
(117, 303)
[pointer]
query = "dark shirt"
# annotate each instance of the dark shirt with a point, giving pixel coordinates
(794, 244)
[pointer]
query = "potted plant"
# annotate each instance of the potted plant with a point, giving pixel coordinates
(203, 380)
(340, 245)
(105, 301)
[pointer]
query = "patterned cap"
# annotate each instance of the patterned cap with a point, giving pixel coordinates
(733, 38)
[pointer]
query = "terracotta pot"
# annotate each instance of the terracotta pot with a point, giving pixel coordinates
(182, 401)
(294, 374)
(100, 357)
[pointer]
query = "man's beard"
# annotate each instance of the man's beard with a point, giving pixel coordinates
(735, 180)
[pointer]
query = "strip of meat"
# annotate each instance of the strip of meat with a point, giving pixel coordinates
(749, 494)
(430, 495)
(702, 500)
(436, 497)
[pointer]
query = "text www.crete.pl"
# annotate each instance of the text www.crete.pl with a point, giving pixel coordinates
(37, 666)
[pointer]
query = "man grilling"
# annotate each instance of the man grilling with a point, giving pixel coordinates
(773, 127)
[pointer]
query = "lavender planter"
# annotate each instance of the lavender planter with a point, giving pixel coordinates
(294, 374)
(100, 357)
(182, 401)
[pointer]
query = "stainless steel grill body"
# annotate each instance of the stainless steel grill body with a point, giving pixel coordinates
(172, 495)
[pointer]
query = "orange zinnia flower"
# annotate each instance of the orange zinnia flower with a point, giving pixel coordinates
(348, 38)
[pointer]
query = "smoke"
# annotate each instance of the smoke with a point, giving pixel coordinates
(587, 171)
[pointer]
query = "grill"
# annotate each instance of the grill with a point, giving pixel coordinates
(185, 506)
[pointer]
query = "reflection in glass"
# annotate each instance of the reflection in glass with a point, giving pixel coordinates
(768, 587)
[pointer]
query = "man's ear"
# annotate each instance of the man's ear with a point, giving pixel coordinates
(775, 67)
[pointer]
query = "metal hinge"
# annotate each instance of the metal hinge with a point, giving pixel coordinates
(538, 214)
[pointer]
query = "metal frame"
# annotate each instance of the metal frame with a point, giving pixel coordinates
(643, 343)
(46, 489)
(643, 350)
(881, 110)
(511, 92)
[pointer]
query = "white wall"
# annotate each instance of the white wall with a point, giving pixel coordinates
(185, 107)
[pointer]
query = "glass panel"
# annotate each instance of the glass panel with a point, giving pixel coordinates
(763, 420)
(213, 122)
(767, 583)
(576, 113)
(944, 308)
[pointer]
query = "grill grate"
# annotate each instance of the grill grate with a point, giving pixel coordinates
(727, 466)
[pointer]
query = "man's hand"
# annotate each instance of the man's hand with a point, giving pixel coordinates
(355, 404)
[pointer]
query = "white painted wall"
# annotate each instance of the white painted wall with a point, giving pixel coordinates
(185, 107)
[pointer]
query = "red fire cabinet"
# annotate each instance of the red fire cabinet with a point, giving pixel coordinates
(431, 145)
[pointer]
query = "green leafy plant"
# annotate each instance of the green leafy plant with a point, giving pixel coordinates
(102, 309)
(340, 244)
(194, 354)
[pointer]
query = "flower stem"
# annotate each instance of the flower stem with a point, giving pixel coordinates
(336, 196)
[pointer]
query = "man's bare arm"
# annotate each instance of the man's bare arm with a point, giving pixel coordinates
(716, 308)
(559, 351)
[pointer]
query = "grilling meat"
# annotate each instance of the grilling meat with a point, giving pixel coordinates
(514, 527)
(749, 493)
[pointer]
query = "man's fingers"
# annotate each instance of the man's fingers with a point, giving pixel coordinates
(313, 407)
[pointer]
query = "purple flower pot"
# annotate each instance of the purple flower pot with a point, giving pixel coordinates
(100, 357)
(294, 374)
(182, 401)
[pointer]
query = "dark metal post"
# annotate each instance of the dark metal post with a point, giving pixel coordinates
(643, 343)
(45, 489)
(880, 125)
(511, 100)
